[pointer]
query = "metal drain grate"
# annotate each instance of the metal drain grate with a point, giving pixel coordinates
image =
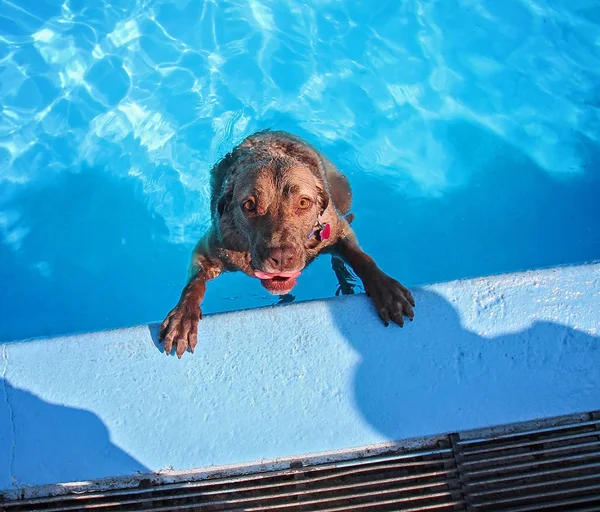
(552, 465)
(556, 468)
(415, 481)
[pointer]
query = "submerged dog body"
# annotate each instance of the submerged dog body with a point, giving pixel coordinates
(277, 203)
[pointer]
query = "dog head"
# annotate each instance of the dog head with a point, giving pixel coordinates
(273, 203)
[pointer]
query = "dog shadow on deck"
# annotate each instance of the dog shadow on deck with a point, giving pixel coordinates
(436, 374)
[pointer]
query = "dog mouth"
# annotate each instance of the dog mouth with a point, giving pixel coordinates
(277, 283)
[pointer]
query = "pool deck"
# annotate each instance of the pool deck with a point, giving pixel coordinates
(300, 379)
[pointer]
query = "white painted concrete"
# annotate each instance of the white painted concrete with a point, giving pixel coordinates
(303, 378)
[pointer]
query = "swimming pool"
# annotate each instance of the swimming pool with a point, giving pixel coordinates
(470, 132)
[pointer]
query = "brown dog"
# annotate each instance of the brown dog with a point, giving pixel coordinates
(276, 204)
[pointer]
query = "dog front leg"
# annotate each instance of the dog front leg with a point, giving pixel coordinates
(392, 300)
(180, 327)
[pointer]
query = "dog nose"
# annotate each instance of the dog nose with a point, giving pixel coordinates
(281, 258)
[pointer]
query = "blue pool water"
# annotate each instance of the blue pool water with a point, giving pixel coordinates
(470, 131)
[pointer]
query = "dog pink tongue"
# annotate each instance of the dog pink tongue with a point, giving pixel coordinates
(272, 275)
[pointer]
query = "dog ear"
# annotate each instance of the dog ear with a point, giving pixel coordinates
(224, 200)
(323, 200)
(322, 185)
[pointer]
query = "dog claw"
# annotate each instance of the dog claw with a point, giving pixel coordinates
(398, 319)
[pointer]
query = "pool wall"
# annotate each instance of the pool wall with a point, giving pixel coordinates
(306, 378)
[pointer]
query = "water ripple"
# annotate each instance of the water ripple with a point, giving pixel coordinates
(159, 89)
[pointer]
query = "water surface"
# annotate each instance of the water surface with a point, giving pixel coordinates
(469, 130)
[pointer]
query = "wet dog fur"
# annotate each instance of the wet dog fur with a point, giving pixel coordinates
(272, 197)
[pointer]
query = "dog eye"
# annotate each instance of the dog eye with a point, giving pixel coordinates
(249, 205)
(304, 203)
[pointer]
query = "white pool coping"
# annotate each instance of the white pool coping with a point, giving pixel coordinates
(282, 382)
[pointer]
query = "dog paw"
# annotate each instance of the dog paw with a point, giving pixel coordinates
(392, 300)
(180, 329)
